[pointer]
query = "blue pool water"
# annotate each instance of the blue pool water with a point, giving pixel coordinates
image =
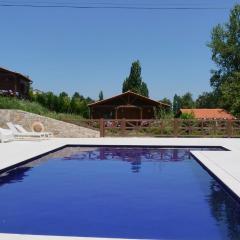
(117, 192)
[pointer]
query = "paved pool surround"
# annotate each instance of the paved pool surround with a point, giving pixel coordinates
(225, 165)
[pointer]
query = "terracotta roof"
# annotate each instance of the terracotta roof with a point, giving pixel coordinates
(131, 93)
(206, 113)
(15, 73)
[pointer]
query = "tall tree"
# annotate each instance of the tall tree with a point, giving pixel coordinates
(230, 93)
(76, 98)
(64, 102)
(187, 101)
(207, 100)
(184, 101)
(134, 82)
(225, 47)
(176, 103)
(169, 102)
(100, 96)
(50, 101)
(144, 90)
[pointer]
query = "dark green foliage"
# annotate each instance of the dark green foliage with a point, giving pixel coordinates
(78, 105)
(21, 104)
(225, 47)
(230, 93)
(144, 90)
(163, 114)
(167, 101)
(51, 101)
(187, 116)
(134, 82)
(37, 108)
(88, 100)
(167, 110)
(100, 96)
(63, 103)
(187, 101)
(176, 104)
(207, 100)
(184, 101)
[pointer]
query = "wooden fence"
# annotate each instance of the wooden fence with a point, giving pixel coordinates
(166, 127)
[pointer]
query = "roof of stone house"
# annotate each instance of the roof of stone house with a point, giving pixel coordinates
(206, 113)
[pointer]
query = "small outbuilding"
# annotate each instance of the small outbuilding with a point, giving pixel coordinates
(207, 113)
(14, 84)
(128, 105)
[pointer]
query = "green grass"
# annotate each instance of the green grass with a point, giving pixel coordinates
(34, 107)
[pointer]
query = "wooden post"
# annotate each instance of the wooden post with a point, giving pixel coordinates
(102, 127)
(123, 126)
(229, 128)
(161, 127)
(202, 129)
(214, 128)
(175, 127)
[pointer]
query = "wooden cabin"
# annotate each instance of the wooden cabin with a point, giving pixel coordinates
(128, 105)
(14, 84)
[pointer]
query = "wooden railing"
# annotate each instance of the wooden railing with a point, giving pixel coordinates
(166, 127)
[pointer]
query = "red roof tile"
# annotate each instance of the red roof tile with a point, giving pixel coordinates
(206, 113)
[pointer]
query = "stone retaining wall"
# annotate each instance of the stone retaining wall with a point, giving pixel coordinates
(58, 128)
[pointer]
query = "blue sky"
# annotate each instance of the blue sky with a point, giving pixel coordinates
(88, 50)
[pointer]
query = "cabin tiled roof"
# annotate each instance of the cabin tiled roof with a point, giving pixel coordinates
(206, 113)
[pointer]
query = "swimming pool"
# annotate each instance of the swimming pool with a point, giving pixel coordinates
(117, 192)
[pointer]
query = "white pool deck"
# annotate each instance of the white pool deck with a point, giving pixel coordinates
(223, 164)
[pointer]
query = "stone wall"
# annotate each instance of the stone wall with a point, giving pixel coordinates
(58, 128)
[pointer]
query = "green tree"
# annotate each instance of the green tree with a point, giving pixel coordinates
(225, 47)
(78, 105)
(166, 101)
(184, 101)
(134, 82)
(41, 98)
(144, 90)
(100, 96)
(187, 116)
(76, 95)
(50, 101)
(63, 103)
(207, 100)
(230, 92)
(89, 100)
(187, 101)
(176, 104)
(169, 102)
(32, 96)
(74, 102)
